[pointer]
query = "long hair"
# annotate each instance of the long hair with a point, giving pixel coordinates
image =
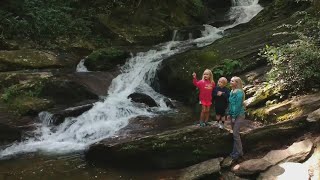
(239, 85)
(210, 75)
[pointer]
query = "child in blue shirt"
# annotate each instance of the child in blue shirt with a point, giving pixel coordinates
(220, 97)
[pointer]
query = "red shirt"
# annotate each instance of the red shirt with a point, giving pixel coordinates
(205, 88)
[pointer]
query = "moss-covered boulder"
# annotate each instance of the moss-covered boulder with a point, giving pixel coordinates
(286, 110)
(28, 59)
(265, 92)
(37, 94)
(27, 105)
(106, 59)
(190, 145)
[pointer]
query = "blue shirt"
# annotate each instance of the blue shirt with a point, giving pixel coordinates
(236, 107)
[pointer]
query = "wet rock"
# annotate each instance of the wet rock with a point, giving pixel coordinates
(201, 170)
(143, 98)
(65, 92)
(96, 82)
(9, 134)
(169, 103)
(295, 153)
(187, 33)
(190, 145)
(59, 117)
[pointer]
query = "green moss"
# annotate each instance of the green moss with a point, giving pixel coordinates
(106, 59)
(26, 59)
(32, 89)
(26, 105)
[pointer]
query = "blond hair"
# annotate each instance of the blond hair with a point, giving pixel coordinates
(224, 80)
(239, 85)
(210, 75)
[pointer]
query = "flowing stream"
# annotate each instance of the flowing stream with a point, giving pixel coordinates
(106, 118)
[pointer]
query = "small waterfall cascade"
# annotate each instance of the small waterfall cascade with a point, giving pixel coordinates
(106, 118)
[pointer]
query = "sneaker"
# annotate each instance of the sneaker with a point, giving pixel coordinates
(202, 124)
(196, 123)
(221, 126)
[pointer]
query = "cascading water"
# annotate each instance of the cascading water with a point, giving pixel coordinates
(109, 116)
(81, 67)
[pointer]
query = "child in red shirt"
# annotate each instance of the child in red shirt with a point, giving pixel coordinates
(206, 85)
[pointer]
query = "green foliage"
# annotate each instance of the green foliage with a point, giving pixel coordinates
(226, 69)
(41, 21)
(296, 65)
(30, 90)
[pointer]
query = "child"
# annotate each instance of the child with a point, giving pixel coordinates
(236, 114)
(220, 97)
(205, 86)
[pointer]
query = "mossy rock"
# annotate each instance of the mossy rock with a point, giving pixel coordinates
(106, 59)
(286, 110)
(263, 94)
(26, 105)
(8, 79)
(28, 59)
(56, 91)
(190, 145)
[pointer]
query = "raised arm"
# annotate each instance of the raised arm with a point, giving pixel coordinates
(195, 81)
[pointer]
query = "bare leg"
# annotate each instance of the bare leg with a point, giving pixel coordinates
(203, 113)
(218, 117)
(207, 114)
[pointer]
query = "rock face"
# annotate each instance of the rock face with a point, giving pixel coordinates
(296, 153)
(190, 145)
(59, 117)
(308, 170)
(201, 170)
(143, 98)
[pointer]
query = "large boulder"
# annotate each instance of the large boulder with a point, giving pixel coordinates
(190, 145)
(288, 109)
(201, 170)
(58, 117)
(295, 153)
(106, 59)
(143, 98)
(308, 170)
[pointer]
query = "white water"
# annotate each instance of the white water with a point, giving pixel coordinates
(109, 116)
(81, 67)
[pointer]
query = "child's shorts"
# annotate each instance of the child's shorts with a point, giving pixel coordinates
(220, 111)
(205, 103)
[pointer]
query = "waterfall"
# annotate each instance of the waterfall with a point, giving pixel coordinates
(107, 117)
(81, 67)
